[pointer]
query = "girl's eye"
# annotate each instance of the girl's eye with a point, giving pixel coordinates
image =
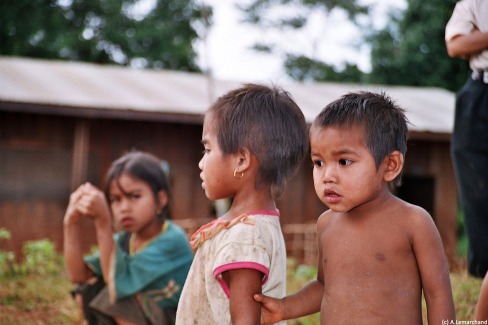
(318, 163)
(135, 196)
(205, 151)
(345, 162)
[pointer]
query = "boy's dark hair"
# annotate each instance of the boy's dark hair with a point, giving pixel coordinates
(384, 122)
(142, 166)
(268, 122)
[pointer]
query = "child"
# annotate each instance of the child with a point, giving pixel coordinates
(377, 253)
(481, 312)
(254, 139)
(146, 264)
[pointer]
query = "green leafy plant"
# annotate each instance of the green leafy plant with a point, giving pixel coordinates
(41, 258)
(4, 233)
(7, 259)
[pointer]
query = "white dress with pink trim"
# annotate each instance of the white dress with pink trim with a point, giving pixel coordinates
(252, 241)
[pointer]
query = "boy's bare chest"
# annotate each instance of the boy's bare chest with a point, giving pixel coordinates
(366, 269)
(367, 250)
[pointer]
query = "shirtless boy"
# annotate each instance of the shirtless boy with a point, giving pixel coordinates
(377, 253)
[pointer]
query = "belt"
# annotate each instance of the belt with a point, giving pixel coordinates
(480, 75)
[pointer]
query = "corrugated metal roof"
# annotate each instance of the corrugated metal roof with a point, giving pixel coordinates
(118, 89)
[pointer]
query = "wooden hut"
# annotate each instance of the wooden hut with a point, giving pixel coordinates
(63, 123)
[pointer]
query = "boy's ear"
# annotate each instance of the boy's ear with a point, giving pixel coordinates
(243, 160)
(162, 198)
(394, 165)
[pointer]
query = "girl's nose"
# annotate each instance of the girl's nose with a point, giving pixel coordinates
(124, 204)
(200, 164)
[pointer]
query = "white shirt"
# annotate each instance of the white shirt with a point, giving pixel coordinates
(467, 15)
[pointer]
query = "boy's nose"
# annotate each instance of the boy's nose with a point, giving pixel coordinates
(329, 175)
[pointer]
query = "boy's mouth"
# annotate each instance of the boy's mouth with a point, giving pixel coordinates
(331, 196)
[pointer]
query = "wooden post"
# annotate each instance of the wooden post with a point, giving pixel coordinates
(80, 153)
(445, 203)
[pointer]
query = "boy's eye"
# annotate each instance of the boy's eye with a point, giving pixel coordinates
(205, 150)
(344, 162)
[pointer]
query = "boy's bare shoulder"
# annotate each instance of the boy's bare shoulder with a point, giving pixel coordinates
(324, 219)
(413, 211)
(409, 209)
(416, 216)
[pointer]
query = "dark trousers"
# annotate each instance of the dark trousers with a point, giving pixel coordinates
(469, 150)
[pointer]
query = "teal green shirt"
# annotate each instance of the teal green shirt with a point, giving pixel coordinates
(159, 269)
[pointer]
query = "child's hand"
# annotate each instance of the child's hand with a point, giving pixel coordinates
(93, 203)
(86, 201)
(271, 309)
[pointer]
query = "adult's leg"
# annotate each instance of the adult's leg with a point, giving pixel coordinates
(469, 149)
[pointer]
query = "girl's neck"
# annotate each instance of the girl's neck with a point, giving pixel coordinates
(149, 231)
(140, 239)
(250, 202)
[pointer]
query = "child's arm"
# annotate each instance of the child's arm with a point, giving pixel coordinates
(96, 207)
(73, 254)
(305, 302)
(434, 272)
(481, 312)
(87, 201)
(243, 284)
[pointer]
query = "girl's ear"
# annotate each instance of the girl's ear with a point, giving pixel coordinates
(162, 199)
(394, 165)
(243, 160)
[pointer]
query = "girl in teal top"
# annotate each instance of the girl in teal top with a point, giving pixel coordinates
(138, 273)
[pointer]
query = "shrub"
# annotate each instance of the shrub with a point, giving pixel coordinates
(41, 258)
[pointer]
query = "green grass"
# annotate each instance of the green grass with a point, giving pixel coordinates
(34, 299)
(35, 291)
(465, 290)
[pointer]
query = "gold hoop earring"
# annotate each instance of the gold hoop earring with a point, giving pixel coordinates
(235, 174)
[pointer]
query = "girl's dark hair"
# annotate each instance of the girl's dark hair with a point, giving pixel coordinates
(384, 122)
(268, 122)
(144, 167)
